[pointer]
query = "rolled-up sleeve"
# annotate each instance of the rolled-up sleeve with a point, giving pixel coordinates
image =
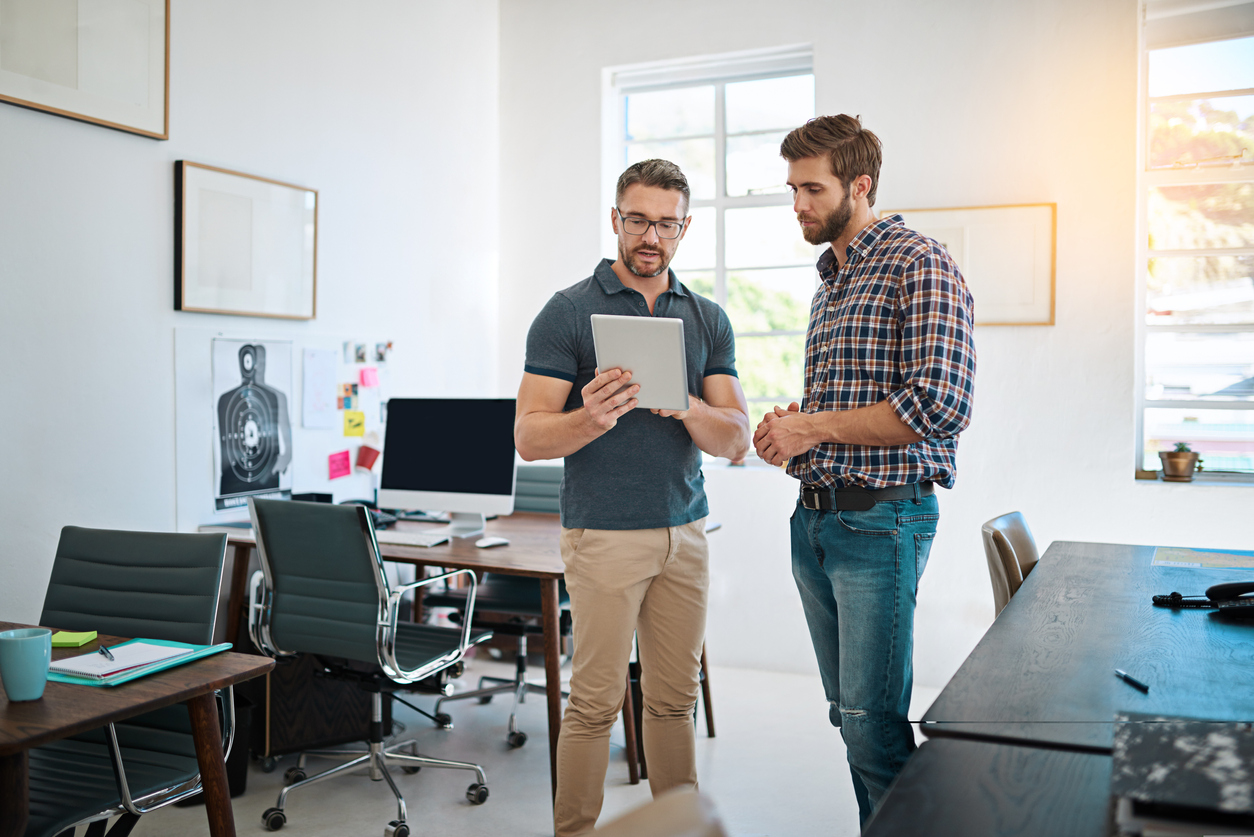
(937, 348)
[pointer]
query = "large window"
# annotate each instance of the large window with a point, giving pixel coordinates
(1198, 219)
(722, 122)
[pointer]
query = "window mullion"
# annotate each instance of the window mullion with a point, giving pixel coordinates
(720, 193)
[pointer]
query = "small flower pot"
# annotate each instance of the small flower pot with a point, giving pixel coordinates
(1178, 467)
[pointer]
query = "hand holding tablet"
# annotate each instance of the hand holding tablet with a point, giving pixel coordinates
(651, 351)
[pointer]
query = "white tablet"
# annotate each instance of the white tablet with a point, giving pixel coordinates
(652, 349)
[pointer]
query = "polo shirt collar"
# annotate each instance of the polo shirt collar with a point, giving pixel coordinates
(611, 284)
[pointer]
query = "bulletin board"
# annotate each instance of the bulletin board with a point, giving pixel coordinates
(261, 414)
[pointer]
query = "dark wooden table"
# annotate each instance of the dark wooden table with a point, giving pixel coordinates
(532, 551)
(1044, 672)
(964, 788)
(67, 710)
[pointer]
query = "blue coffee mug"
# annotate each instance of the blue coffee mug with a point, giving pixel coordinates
(24, 657)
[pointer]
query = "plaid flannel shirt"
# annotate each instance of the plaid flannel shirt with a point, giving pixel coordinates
(895, 324)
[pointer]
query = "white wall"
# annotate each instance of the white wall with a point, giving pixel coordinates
(389, 109)
(977, 102)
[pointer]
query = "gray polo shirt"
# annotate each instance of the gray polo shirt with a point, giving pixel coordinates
(646, 472)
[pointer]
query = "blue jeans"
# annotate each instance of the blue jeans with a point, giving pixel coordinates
(858, 573)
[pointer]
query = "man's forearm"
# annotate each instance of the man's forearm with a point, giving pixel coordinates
(876, 426)
(554, 435)
(719, 431)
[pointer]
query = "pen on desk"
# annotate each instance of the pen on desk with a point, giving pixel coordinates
(1131, 681)
(105, 651)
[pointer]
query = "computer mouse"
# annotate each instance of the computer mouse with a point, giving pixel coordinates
(490, 541)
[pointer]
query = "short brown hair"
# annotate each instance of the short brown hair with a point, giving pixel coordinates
(660, 173)
(852, 150)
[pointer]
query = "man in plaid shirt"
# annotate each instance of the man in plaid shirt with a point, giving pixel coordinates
(888, 384)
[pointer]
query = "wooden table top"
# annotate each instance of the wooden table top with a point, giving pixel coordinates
(1044, 672)
(533, 548)
(68, 709)
(981, 789)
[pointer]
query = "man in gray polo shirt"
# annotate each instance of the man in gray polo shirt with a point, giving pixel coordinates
(633, 497)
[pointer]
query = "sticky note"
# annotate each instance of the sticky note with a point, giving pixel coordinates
(338, 465)
(346, 390)
(354, 423)
(344, 402)
(369, 376)
(67, 639)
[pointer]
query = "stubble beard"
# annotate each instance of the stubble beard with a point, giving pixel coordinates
(833, 226)
(629, 260)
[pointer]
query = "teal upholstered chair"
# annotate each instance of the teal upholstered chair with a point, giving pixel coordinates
(135, 584)
(517, 598)
(322, 590)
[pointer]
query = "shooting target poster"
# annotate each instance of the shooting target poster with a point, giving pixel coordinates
(252, 451)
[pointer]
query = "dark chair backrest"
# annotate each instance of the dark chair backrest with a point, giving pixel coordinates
(1011, 554)
(321, 564)
(156, 585)
(537, 488)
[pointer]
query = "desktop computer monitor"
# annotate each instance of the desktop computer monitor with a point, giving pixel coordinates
(453, 455)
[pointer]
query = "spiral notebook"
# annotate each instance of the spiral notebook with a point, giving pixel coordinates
(149, 657)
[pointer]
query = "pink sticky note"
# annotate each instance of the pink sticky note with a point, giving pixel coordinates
(338, 465)
(369, 376)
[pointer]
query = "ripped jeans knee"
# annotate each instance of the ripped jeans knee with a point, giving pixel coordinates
(838, 714)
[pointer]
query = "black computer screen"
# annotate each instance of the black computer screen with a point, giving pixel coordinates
(463, 445)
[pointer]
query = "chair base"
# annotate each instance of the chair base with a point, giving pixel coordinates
(376, 758)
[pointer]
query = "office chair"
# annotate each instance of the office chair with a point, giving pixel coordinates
(518, 598)
(322, 590)
(1011, 554)
(135, 584)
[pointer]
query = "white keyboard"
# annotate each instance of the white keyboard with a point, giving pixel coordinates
(411, 538)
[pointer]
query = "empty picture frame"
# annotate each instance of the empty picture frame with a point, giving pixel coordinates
(100, 61)
(1006, 254)
(243, 244)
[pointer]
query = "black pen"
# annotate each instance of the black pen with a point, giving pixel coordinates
(1131, 681)
(106, 652)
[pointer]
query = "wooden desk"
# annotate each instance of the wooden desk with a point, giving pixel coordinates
(532, 552)
(980, 789)
(1044, 672)
(67, 710)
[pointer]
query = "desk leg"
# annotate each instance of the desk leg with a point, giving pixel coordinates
(552, 669)
(207, 733)
(14, 793)
(235, 600)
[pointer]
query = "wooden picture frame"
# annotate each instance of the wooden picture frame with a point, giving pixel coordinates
(244, 244)
(105, 62)
(1007, 254)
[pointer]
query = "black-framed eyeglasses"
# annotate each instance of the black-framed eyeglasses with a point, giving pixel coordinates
(640, 226)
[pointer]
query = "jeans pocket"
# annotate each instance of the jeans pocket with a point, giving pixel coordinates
(879, 520)
(922, 549)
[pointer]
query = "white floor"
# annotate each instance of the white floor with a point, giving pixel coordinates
(777, 767)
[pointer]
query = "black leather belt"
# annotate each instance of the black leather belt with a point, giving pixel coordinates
(856, 498)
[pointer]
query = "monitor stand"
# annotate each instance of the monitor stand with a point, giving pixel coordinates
(465, 524)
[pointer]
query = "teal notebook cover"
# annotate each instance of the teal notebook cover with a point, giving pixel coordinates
(142, 671)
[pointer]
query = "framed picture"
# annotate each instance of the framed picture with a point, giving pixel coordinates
(243, 244)
(100, 61)
(1006, 254)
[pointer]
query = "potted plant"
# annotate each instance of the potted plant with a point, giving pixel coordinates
(1179, 464)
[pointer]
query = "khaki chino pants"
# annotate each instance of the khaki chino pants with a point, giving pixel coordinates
(653, 583)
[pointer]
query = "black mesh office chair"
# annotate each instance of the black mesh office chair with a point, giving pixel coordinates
(136, 584)
(517, 599)
(322, 590)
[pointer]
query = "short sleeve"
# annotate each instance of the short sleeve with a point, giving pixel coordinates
(722, 360)
(551, 341)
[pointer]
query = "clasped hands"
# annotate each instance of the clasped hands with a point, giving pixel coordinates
(784, 433)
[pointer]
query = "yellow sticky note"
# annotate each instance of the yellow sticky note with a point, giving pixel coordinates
(354, 423)
(66, 639)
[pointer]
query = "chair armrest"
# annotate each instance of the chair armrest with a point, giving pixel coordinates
(387, 631)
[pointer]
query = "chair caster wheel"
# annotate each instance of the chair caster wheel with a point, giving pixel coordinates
(485, 699)
(293, 775)
(516, 739)
(268, 764)
(445, 720)
(411, 769)
(274, 819)
(477, 794)
(396, 828)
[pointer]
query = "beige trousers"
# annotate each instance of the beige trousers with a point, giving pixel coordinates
(653, 583)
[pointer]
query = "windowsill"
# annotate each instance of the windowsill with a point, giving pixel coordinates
(1201, 478)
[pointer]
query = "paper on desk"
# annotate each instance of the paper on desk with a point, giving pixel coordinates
(130, 655)
(1210, 559)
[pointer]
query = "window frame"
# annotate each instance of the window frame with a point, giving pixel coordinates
(1196, 174)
